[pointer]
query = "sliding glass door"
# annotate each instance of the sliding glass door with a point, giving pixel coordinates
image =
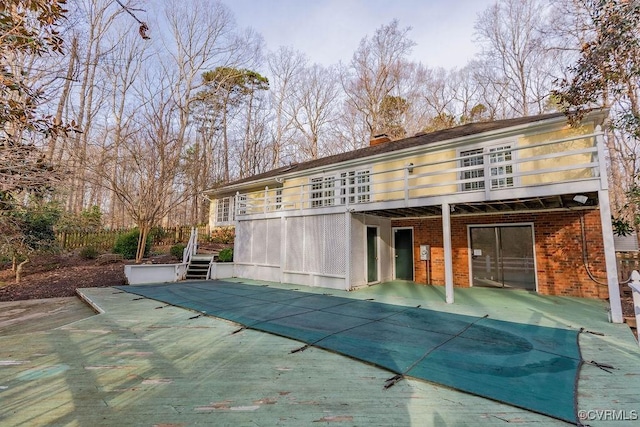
(502, 256)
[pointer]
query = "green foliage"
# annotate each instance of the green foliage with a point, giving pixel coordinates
(621, 227)
(89, 252)
(392, 116)
(609, 64)
(223, 235)
(28, 229)
(127, 244)
(88, 221)
(92, 217)
(177, 251)
(37, 227)
(157, 234)
(225, 255)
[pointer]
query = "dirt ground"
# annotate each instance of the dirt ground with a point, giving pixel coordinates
(55, 276)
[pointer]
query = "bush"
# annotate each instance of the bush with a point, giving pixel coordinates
(177, 251)
(89, 252)
(223, 235)
(158, 234)
(225, 255)
(127, 244)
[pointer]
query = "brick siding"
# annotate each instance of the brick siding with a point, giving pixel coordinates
(558, 249)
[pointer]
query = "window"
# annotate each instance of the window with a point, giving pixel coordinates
(356, 185)
(501, 173)
(279, 198)
(472, 158)
(322, 191)
(500, 168)
(223, 210)
(242, 204)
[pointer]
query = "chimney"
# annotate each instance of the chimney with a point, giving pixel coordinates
(379, 139)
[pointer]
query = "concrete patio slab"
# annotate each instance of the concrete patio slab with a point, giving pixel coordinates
(143, 363)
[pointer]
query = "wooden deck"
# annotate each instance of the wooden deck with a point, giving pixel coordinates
(143, 363)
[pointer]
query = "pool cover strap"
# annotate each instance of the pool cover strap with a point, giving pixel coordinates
(527, 366)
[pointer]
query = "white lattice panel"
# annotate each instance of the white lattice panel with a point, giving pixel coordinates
(273, 241)
(313, 243)
(259, 241)
(335, 249)
(243, 242)
(295, 244)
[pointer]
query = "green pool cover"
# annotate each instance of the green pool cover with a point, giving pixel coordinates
(531, 367)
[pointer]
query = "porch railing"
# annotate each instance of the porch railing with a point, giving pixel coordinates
(573, 159)
(191, 248)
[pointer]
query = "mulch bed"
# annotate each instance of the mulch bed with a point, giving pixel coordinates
(55, 276)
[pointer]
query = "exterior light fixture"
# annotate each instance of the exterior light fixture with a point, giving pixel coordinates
(580, 198)
(410, 168)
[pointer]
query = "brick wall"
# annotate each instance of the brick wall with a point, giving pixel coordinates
(558, 249)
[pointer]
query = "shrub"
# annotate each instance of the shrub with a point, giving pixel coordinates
(225, 255)
(158, 234)
(177, 251)
(223, 235)
(127, 244)
(89, 252)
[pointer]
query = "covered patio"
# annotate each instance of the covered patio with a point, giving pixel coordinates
(143, 362)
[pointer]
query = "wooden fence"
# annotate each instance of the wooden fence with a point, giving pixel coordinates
(105, 239)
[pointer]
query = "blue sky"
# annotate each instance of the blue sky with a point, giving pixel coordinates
(328, 31)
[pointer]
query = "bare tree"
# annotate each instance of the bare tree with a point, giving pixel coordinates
(122, 68)
(98, 16)
(148, 186)
(511, 33)
(315, 97)
(285, 67)
(376, 69)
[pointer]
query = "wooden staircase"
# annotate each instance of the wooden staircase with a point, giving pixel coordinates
(198, 268)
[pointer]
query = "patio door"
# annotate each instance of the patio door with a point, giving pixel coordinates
(502, 256)
(403, 247)
(372, 254)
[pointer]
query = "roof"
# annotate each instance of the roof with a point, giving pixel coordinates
(414, 141)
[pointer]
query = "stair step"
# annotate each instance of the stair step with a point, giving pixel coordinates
(198, 268)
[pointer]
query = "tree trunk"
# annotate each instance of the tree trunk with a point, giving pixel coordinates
(19, 269)
(142, 242)
(64, 96)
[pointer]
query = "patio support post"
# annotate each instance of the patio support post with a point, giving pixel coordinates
(607, 233)
(347, 232)
(448, 262)
(610, 257)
